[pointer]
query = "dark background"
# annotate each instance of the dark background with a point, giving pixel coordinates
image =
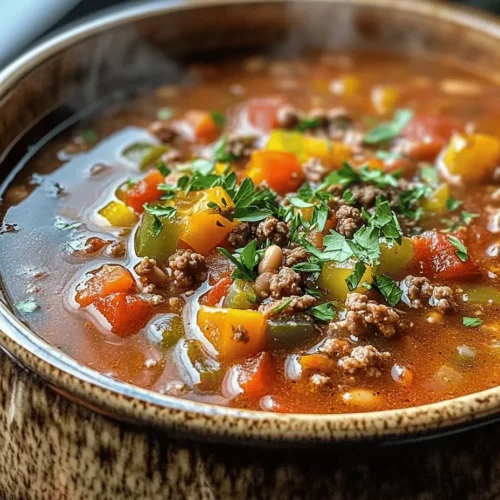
(90, 6)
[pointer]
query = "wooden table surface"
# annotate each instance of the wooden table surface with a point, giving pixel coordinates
(51, 448)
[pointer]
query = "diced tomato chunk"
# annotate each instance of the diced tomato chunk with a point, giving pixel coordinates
(204, 127)
(144, 191)
(429, 135)
(218, 292)
(108, 280)
(263, 113)
(126, 314)
(436, 257)
(255, 375)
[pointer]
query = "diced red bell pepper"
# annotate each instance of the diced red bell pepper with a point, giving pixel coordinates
(429, 135)
(262, 112)
(436, 257)
(108, 280)
(126, 313)
(217, 292)
(144, 191)
(256, 375)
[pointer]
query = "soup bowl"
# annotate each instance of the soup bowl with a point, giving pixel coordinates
(132, 49)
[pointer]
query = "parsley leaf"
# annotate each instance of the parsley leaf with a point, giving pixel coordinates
(383, 155)
(27, 306)
(460, 248)
(299, 203)
(245, 261)
(389, 289)
(306, 123)
(337, 248)
(159, 212)
(452, 204)
(354, 278)
(281, 306)
(164, 170)
(430, 176)
(366, 244)
(471, 322)
(324, 312)
(165, 114)
(307, 267)
(219, 118)
(467, 217)
(387, 131)
(66, 226)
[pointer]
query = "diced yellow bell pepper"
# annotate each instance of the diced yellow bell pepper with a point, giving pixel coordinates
(224, 329)
(395, 258)
(217, 195)
(436, 202)
(118, 214)
(305, 147)
(346, 86)
(333, 275)
(384, 99)
(204, 231)
(473, 157)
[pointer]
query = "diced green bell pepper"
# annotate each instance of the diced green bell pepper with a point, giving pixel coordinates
(240, 295)
(204, 371)
(159, 247)
(481, 294)
(289, 330)
(144, 154)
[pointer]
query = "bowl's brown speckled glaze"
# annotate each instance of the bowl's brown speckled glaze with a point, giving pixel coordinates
(87, 65)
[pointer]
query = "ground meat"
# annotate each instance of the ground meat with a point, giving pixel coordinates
(241, 335)
(172, 156)
(240, 146)
(420, 293)
(188, 268)
(297, 304)
(285, 283)
(366, 358)
(288, 117)
(314, 170)
(274, 231)
(117, 249)
(162, 130)
(293, 256)
(335, 347)
(443, 300)
(240, 235)
(349, 220)
(364, 314)
(151, 274)
(319, 380)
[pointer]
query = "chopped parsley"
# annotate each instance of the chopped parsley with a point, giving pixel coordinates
(218, 118)
(452, 204)
(389, 289)
(164, 170)
(460, 248)
(472, 322)
(355, 277)
(159, 212)
(246, 261)
(165, 114)
(281, 306)
(27, 306)
(306, 123)
(390, 130)
(324, 312)
(62, 225)
(90, 135)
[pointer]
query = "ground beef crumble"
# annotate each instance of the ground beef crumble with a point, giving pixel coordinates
(163, 130)
(152, 275)
(284, 283)
(294, 256)
(240, 235)
(117, 249)
(297, 304)
(274, 231)
(364, 358)
(188, 268)
(314, 170)
(240, 146)
(241, 335)
(364, 315)
(420, 293)
(349, 220)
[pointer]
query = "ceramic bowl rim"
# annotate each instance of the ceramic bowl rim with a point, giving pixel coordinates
(203, 419)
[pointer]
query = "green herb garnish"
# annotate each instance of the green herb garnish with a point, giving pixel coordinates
(246, 261)
(390, 130)
(219, 118)
(460, 248)
(324, 312)
(159, 212)
(27, 306)
(389, 289)
(471, 322)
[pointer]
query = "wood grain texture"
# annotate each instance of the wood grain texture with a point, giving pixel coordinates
(54, 449)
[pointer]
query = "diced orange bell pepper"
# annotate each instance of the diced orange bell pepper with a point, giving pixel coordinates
(436, 257)
(126, 314)
(204, 231)
(235, 333)
(255, 375)
(108, 280)
(281, 171)
(317, 362)
(217, 292)
(204, 127)
(144, 191)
